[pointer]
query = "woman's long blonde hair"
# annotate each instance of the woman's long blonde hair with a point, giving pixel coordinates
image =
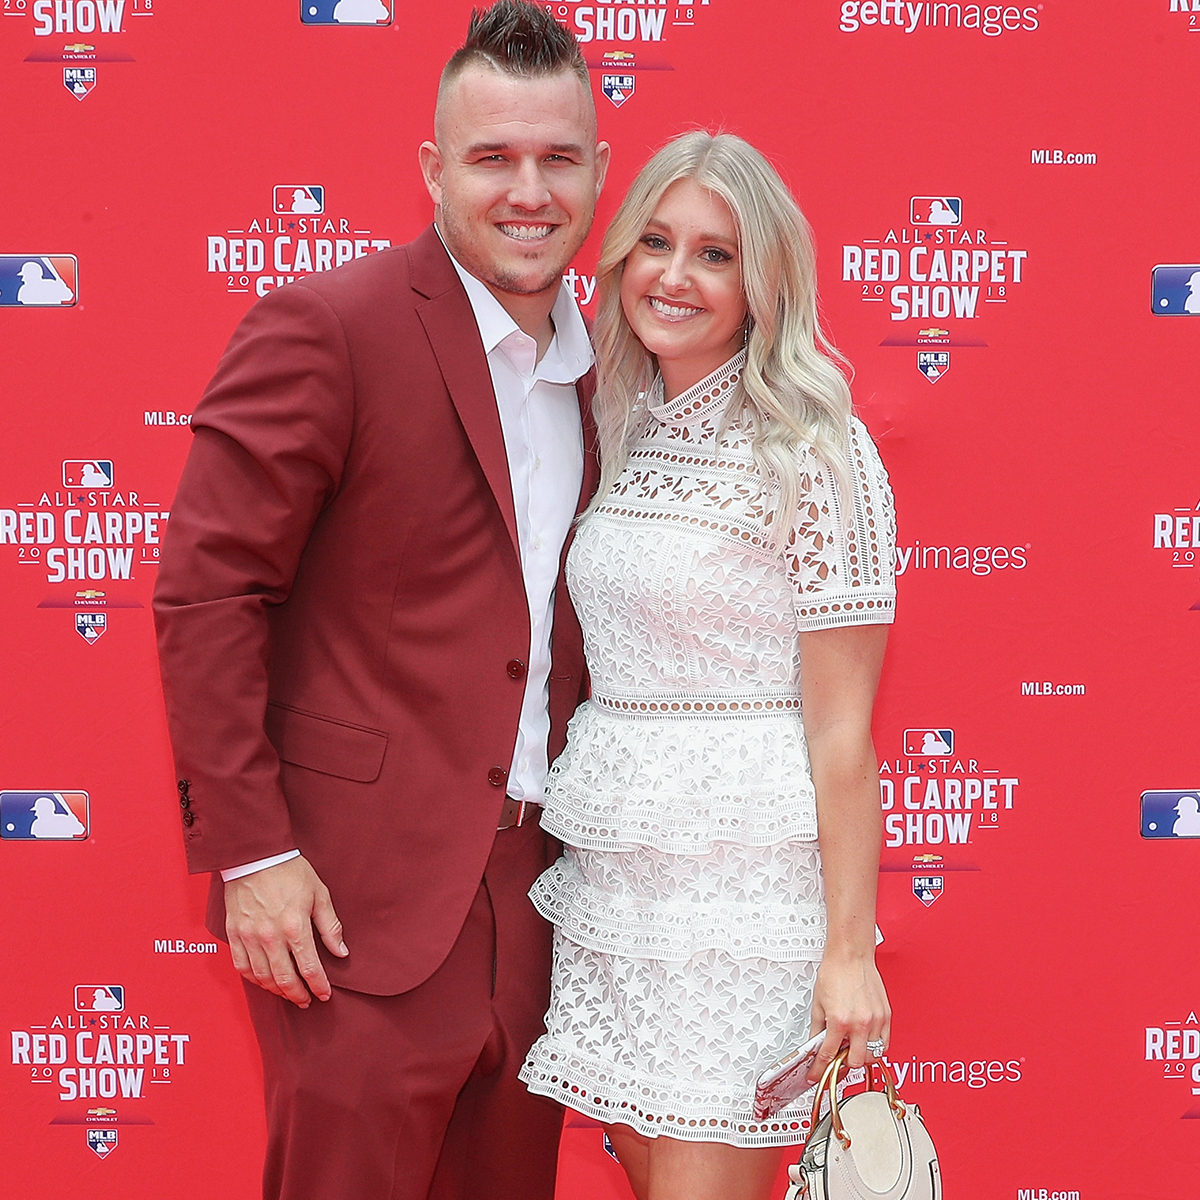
(793, 392)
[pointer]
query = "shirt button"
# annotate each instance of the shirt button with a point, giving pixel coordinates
(515, 669)
(496, 777)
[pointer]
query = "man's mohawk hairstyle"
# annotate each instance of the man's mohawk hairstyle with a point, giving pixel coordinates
(519, 38)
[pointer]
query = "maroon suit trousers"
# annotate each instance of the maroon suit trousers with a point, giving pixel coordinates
(416, 1096)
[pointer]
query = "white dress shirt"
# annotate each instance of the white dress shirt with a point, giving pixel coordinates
(543, 438)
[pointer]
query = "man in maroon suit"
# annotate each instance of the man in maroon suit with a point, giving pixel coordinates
(369, 656)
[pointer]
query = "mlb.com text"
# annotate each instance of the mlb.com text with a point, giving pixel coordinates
(179, 946)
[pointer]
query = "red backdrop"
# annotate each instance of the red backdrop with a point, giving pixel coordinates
(992, 188)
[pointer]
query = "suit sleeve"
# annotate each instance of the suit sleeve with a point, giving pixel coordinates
(271, 436)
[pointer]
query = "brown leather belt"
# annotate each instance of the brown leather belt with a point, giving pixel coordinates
(517, 812)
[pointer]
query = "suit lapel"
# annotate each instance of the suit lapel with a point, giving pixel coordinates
(450, 326)
(585, 390)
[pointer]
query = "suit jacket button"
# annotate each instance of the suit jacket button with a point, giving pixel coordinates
(515, 669)
(185, 802)
(497, 776)
(188, 818)
(183, 786)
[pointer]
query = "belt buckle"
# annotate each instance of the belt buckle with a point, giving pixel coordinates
(513, 814)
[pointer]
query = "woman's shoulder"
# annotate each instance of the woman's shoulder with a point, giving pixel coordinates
(862, 453)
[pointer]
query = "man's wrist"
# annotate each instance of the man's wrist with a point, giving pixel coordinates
(261, 864)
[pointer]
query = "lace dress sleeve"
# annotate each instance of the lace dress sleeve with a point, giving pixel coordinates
(841, 553)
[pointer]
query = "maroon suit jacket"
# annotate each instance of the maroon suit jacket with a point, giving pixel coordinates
(341, 610)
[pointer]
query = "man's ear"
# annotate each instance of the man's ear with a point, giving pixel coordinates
(430, 158)
(603, 151)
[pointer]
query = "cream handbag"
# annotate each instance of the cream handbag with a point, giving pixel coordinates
(872, 1146)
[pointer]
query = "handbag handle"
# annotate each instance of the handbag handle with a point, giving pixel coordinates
(829, 1082)
(889, 1085)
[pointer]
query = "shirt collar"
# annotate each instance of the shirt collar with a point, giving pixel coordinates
(701, 399)
(570, 353)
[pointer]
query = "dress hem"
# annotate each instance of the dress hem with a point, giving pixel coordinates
(567, 1083)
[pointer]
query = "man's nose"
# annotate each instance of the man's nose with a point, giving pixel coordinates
(529, 190)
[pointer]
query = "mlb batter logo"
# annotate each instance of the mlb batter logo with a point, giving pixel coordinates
(44, 816)
(299, 198)
(346, 12)
(90, 626)
(1176, 290)
(103, 1141)
(79, 81)
(926, 743)
(38, 280)
(99, 997)
(933, 364)
(87, 472)
(935, 210)
(618, 88)
(927, 888)
(1169, 814)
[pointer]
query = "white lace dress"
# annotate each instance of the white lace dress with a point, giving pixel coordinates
(688, 908)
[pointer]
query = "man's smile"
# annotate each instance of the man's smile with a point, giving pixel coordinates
(523, 232)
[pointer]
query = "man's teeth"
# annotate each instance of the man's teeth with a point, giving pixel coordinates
(526, 233)
(672, 310)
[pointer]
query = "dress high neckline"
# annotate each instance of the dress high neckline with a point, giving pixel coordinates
(701, 399)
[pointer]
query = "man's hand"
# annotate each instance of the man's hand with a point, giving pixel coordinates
(269, 917)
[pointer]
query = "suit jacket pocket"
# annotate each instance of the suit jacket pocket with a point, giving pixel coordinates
(323, 744)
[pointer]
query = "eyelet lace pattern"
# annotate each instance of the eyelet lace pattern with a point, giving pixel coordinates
(673, 1047)
(688, 906)
(748, 903)
(681, 783)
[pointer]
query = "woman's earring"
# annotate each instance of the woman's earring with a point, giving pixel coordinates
(746, 330)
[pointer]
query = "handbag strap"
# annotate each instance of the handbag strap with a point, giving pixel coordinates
(889, 1085)
(829, 1082)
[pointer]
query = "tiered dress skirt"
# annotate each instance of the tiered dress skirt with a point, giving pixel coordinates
(689, 918)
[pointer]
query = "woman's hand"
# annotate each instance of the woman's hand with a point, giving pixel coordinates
(850, 1003)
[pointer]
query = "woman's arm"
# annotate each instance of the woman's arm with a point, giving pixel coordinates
(839, 671)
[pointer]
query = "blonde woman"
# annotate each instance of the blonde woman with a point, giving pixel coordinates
(718, 796)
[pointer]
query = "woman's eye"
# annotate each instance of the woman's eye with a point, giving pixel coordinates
(653, 242)
(713, 255)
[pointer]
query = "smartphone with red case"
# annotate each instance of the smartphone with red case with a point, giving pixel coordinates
(782, 1084)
